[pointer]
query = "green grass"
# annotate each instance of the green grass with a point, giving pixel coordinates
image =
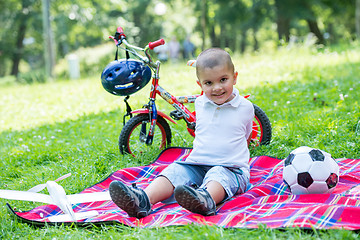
(47, 130)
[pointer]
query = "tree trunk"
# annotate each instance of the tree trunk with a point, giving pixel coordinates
(256, 42)
(357, 18)
(212, 36)
(282, 20)
(313, 26)
(22, 19)
(283, 28)
(243, 41)
(332, 35)
(204, 13)
(19, 45)
(233, 40)
(222, 38)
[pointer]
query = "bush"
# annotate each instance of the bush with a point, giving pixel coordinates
(36, 76)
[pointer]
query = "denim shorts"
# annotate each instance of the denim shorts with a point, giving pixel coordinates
(233, 180)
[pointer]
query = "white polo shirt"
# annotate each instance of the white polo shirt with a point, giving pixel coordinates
(221, 132)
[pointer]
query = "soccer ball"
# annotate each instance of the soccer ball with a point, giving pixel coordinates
(309, 171)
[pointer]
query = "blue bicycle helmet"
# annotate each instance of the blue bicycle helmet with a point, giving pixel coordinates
(125, 77)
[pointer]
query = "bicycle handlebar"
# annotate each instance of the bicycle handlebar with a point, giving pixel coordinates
(155, 44)
(120, 38)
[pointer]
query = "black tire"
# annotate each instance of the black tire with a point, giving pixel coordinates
(131, 142)
(261, 134)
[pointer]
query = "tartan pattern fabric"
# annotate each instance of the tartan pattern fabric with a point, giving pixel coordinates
(269, 202)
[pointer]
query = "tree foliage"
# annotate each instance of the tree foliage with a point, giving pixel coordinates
(239, 25)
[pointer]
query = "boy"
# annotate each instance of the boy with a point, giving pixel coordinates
(218, 163)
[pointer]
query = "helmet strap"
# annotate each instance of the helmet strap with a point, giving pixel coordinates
(116, 53)
(127, 55)
(128, 109)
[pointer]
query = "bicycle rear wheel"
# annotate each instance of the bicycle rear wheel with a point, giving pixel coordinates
(261, 133)
(133, 135)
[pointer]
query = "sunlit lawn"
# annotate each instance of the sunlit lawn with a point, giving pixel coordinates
(47, 130)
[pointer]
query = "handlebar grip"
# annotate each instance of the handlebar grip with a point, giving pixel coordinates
(157, 43)
(121, 33)
(120, 30)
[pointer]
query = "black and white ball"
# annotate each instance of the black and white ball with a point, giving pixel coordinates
(309, 171)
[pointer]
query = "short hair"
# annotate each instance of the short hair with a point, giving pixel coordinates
(213, 57)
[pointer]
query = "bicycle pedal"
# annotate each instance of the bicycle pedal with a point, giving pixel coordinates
(176, 115)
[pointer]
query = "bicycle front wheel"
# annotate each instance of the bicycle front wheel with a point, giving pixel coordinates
(133, 135)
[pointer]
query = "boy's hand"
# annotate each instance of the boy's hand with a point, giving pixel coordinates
(249, 139)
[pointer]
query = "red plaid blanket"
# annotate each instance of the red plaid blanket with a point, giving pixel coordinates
(268, 203)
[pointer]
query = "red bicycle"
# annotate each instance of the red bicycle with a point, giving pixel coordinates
(149, 126)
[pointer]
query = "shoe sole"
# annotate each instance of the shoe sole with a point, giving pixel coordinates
(188, 199)
(120, 195)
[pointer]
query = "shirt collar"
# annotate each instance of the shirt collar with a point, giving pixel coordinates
(235, 102)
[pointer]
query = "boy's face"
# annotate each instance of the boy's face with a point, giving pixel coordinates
(217, 83)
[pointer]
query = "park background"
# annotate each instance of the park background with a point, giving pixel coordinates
(37, 34)
(299, 60)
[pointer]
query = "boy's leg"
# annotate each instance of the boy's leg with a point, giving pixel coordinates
(159, 189)
(182, 174)
(137, 202)
(219, 183)
(195, 200)
(216, 191)
(232, 180)
(132, 200)
(201, 200)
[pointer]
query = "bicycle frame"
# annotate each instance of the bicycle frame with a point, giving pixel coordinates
(176, 102)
